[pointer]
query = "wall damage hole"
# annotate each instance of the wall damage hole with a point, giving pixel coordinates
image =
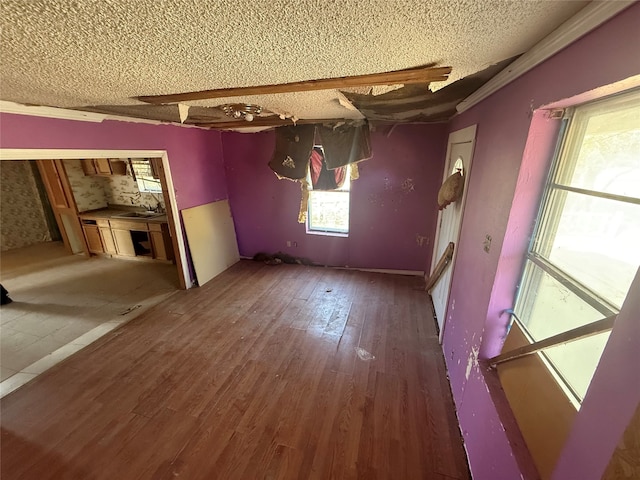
(422, 240)
(364, 355)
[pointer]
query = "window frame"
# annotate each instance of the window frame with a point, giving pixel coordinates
(570, 139)
(335, 232)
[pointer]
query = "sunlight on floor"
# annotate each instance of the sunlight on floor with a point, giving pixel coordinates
(63, 302)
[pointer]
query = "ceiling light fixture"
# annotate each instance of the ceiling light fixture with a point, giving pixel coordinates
(245, 111)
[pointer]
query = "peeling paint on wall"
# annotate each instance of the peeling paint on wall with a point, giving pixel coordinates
(408, 185)
(472, 361)
(422, 240)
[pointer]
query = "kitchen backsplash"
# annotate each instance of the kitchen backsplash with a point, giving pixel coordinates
(22, 216)
(123, 190)
(92, 192)
(88, 191)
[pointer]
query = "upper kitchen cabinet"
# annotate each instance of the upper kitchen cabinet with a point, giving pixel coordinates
(104, 166)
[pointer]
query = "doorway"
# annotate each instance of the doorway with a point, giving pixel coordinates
(63, 301)
(458, 159)
(177, 233)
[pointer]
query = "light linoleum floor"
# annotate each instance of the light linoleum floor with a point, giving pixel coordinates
(62, 302)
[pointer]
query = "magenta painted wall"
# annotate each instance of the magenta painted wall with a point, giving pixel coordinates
(195, 155)
(393, 203)
(484, 284)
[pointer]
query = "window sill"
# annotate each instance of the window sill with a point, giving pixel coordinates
(327, 234)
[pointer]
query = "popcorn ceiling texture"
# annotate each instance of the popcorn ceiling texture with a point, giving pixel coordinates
(104, 52)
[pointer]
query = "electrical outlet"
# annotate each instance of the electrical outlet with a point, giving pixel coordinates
(295, 244)
(288, 243)
(487, 243)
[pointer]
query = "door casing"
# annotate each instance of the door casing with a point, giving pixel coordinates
(464, 135)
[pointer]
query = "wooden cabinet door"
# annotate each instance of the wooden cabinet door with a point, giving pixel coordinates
(159, 250)
(118, 167)
(124, 243)
(103, 166)
(88, 167)
(92, 235)
(63, 204)
(53, 183)
(107, 240)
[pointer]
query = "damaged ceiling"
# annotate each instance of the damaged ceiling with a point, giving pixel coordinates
(101, 56)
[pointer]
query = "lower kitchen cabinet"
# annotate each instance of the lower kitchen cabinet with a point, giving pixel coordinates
(129, 238)
(124, 243)
(159, 250)
(92, 234)
(107, 240)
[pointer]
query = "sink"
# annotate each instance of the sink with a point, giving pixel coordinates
(138, 215)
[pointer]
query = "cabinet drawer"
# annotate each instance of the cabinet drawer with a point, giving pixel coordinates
(129, 225)
(103, 223)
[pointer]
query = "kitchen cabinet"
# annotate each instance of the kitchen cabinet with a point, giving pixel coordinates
(107, 237)
(92, 234)
(129, 238)
(88, 167)
(161, 241)
(104, 166)
(123, 242)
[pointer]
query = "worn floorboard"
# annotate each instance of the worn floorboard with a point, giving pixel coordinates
(274, 372)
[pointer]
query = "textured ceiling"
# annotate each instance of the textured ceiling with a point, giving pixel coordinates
(80, 53)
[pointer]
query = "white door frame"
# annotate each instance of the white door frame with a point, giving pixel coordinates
(64, 154)
(464, 135)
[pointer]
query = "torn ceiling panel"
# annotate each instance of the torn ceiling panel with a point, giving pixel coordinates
(73, 54)
(417, 103)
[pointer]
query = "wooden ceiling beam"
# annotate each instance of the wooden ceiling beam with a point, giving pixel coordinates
(424, 74)
(267, 122)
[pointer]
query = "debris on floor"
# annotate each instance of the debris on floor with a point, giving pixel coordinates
(364, 355)
(130, 309)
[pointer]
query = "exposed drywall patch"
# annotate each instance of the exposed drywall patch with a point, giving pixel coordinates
(472, 361)
(422, 240)
(183, 110)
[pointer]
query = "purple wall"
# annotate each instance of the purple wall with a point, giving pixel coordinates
(393, 212)
(195, 155)
(484, 284)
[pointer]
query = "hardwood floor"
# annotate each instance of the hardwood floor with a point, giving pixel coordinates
(265, 372)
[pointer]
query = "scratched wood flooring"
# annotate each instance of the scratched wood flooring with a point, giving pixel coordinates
(256, 375)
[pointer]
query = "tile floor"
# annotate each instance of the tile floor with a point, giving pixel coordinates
(63, 302)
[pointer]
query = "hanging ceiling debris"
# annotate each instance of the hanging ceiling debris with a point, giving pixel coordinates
(109, 56)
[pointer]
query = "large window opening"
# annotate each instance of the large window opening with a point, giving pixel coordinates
(585, 249)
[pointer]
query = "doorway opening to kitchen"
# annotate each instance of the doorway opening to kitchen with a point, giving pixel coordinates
(90, 239)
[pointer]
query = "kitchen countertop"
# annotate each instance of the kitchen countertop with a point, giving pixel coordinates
(110, 214)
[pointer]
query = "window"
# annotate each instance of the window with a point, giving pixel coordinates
(328, 210)
(585, 248)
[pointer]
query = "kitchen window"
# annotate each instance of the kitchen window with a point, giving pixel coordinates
(585, 249)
